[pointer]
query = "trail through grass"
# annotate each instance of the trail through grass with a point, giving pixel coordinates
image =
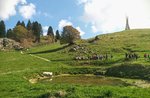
(39, 57)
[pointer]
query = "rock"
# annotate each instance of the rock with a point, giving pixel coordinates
(72, 50)
(49, 74)
(18, 47)
(61, 94)
(8, 44)
(77, 47)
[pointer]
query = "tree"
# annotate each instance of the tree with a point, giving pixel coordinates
(22, 35)
(18, 23)
(69, 35)
(29, 25)
(23, 24)
(9, 33)
(50, 33)
(96, 38)
(19, 33)
(36, 31)
(57, 35)
(2, 29)
(41, 30)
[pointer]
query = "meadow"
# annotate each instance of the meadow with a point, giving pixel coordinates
(112, 78)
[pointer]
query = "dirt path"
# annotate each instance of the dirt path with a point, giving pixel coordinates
(40, 58)
(10, 72)
(47, 60)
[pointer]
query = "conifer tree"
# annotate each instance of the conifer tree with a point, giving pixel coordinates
(2, 29)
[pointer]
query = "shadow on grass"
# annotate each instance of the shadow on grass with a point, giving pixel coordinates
(88, 62)
(50, 51)
(62, 60)
(106, 62)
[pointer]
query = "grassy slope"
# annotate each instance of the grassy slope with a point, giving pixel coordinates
(119, 43)
(132, 40)
(16, 67)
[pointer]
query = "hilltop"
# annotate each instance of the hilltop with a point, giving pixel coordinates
(125, 41)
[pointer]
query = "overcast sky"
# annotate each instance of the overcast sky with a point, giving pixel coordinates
(90, 17)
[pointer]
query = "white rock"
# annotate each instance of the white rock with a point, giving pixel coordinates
(47, 73)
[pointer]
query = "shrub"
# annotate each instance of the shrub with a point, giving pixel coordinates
(129, 71)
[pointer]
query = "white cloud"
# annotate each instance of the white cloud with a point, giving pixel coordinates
(45, 29)
(81, 32)
(8, 8)
(27, 11)
(94, 29)
(109, 15)
(63, 23)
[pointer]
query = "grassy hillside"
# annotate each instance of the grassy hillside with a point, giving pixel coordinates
(17, 69)
(131, 40)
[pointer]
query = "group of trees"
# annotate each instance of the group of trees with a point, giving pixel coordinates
(51, 34)
(32, 33)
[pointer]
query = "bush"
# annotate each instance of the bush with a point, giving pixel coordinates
(108, 94)
(129, 71)
(46, 95)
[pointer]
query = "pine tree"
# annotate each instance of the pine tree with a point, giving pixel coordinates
(29, 25)
(50, 31)
(41, 30)
(57, 35)
(23, 24)
(18, 23)
(9, 33)
(2, 29)
(36, 31)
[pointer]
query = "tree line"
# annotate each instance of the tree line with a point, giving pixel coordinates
(32, 32)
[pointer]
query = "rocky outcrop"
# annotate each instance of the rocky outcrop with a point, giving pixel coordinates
(8, 44)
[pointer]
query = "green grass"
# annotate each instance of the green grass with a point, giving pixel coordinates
(16, 69)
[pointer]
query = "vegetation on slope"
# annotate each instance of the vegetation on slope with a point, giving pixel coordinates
(17, 68)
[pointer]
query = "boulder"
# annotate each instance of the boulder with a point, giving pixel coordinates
(61, 94)
(8, 44)
(48, 74)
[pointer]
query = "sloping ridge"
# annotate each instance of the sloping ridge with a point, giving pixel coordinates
(130, 40)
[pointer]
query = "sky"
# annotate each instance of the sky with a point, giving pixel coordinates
(90, 17)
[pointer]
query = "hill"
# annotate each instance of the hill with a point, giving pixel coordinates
(20, 71)
(115, 44)
(124, 41)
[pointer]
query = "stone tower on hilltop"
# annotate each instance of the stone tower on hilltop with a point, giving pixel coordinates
(127, 24)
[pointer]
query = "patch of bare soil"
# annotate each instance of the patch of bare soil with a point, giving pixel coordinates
(39, 78)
